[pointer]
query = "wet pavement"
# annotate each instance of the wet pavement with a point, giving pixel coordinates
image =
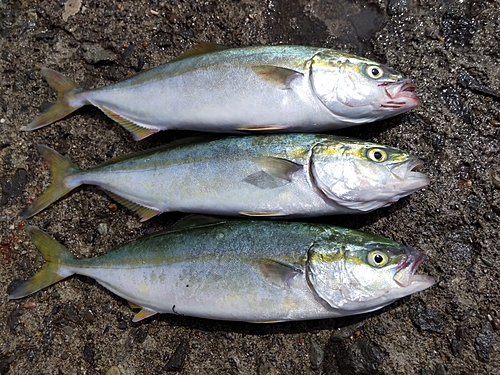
(451, 49)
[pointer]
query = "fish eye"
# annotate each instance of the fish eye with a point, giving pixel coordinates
(377, 258)
(374, 71)
(377, 154)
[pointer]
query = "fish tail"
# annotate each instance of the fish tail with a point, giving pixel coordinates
(65, 88)
(56, 256)
(61, 168)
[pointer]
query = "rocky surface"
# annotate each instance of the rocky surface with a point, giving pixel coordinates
(450, 49)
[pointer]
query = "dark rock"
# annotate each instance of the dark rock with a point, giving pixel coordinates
(137, 335)
(483, 343)
(316, 355)
(88, 354)
(13, 186)
(13, 318)
(5, 362)
(46, 36)
(458, 28)
(457, 342)
(162, 39)
(360, 357)
(426, 371)
(177, 360)
(128, 51)
(426, 319)
(454, 102)
(367, 23)
(397, 7)
(467, 81)
(438, 142)
(7, 56)
(489, 216)
(70, 313)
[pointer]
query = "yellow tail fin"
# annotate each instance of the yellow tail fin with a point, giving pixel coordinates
(55, 254)
(61, 168)
(65, 89)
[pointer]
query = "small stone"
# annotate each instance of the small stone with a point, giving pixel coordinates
(177, 360)
(426, 319)
(96, 54)
(483, 343)
(102, 228)
(316, 355)
(489, 216)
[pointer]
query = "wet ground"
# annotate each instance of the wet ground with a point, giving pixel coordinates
(450, 48)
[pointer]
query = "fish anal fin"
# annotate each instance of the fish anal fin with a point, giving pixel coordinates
(133, 305)
(265, 129)
(143, 314)
(145, 213)
(261, 214)
(139, 132)
(201, 49)
(278, 273)
(275, 75)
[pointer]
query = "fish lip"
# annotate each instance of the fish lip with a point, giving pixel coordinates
(409, 171)
(400, 94)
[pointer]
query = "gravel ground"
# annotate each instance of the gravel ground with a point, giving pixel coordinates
(450, 49)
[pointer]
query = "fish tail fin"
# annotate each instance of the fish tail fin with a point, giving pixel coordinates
(65, 88)
(56, 256)
(61, 168)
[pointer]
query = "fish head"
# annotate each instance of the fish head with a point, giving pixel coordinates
(358, 90)
(365, 276)
(364, 176)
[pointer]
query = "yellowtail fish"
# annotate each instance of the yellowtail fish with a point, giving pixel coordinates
(264, 89)
(290, 175)
(251, 271)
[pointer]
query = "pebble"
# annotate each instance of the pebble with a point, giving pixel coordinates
(316, 355)
(177, 360)
(102, 228)
(426, 319)
(483, 342)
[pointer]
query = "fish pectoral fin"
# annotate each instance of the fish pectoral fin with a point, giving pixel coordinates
(145, 213)
(139, 132)
(277, 167)
(268, 128)
(275, 172)
(201, 49)
(260, 214)
(278, 273)
(275, 75)
(143, 314)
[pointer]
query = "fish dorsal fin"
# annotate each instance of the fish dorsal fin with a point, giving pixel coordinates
(151, 151)
(195, 221)
(276, 75)
(143, 314)
(278, 273)
(139, 132)
(145, 213)
(201, 49)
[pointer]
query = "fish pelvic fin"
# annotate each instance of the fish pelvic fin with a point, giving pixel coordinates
(60, 168)
(65, 88)
(143, 314)
(55, 254)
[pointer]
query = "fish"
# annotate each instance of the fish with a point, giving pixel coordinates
(244, 270)
(214, 88)
(268, 175)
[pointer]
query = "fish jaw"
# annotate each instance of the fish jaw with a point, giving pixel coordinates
(406, 278)
(399, 96)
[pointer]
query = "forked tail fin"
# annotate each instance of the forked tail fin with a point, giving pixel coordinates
(65, 89)
(61, 168)
(55, 254)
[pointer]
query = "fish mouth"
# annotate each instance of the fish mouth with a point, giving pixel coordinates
(400, 95)
(408, 173)
(405, 272)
